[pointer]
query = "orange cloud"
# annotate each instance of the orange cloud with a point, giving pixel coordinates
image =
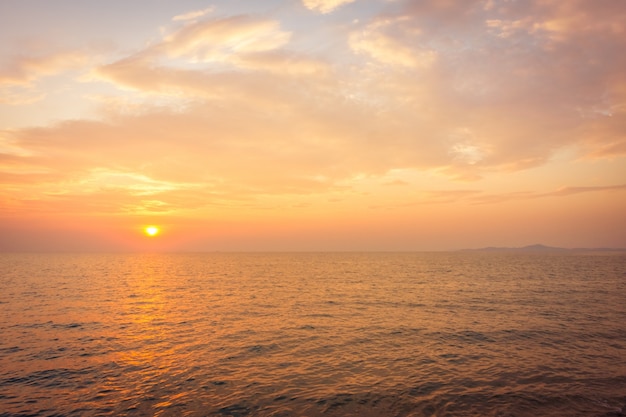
(396, 48)
(25, 69)
(247, 116)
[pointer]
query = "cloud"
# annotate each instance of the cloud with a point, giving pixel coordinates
(528, 195)
(465, 102)
(564, 21)
(22, 75)
(482, 197)
(205, 146)
(230, 106)
(239, 60)
(217, 39)
(232, 43)
(565, 191)
(396, 183)
(17, 95)
(522, 89)
(324, 6)
(392, 42)
(193, 15)
(284, 62)
(25, 69)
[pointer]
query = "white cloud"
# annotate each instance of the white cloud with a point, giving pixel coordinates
(218, 39)
(465, 148)
(193, 15)
(324, 6)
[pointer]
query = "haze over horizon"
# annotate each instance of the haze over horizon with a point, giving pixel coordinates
(312, 124)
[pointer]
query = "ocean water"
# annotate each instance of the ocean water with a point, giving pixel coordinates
(313, 334)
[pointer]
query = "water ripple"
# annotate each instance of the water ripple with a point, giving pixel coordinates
(312, 335)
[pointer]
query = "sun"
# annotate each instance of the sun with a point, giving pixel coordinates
(151, 230)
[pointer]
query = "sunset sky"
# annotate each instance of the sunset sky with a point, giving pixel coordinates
(312, 124)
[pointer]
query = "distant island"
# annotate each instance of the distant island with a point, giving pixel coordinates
(542, 248)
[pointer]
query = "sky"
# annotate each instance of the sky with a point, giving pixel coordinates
(314, 125)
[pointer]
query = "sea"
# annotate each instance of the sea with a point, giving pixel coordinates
(313, 334)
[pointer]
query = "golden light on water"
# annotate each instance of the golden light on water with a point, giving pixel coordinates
(151, 230)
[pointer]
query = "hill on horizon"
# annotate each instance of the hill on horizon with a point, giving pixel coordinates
(542, 248)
